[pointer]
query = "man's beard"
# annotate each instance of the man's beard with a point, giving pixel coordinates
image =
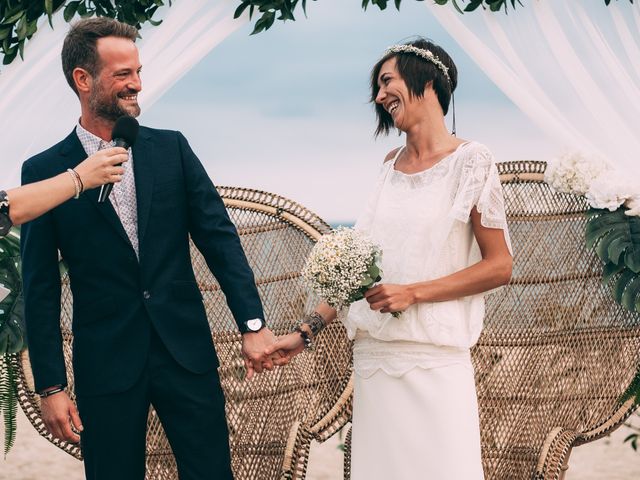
(107, 107)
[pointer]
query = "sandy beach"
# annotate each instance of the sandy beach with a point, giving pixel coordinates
(33, 458)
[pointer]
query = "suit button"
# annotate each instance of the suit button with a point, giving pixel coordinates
(146, 295)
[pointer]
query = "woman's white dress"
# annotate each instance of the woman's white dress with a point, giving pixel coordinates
(415, 413)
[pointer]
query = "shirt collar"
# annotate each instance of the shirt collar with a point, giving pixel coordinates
(90, 142)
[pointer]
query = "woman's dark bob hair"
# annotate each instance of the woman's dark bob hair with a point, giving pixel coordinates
(417, 74)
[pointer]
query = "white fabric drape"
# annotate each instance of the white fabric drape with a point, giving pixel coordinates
(37, 108)
(572, 67)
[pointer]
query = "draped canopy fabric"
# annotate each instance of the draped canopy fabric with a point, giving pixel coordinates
(37, 108)
(572, 67)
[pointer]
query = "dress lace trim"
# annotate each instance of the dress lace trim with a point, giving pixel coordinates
(396, 358)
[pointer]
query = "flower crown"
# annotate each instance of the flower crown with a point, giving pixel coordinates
(422, 53)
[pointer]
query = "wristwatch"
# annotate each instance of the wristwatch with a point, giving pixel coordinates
(5, 219)
(253, 325)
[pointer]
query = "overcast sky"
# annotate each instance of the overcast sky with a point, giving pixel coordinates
(287, 110)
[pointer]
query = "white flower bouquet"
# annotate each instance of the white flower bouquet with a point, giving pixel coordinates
(342, 266)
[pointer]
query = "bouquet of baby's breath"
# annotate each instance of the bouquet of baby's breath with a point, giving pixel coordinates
(342, 266)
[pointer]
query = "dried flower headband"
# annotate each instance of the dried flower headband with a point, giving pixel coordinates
(422, 53)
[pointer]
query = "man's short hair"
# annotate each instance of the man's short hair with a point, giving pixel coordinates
(79, 49)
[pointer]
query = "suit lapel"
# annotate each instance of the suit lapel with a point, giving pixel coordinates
(143, 169)
(73, 153)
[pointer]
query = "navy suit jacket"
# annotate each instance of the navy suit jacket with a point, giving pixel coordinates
(116, 298)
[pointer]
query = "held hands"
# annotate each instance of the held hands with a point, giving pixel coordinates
(288, 346)
(389, 298)
(59, 413)
(254, 346)
(102, 167)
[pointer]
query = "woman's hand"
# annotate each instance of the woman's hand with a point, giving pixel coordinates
(288, 345)
(388, 298)
(102, 167)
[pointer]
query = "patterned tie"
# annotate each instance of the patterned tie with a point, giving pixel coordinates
(123, 198)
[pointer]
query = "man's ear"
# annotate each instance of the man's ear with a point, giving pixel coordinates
(82, 80)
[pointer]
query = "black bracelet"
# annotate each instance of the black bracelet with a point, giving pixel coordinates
(53, 391)
(305, 337)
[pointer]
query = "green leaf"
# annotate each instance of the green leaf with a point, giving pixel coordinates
(602, 249)
(457, 7)
(14, 17)
(366, 281)
(616, 248)
(240, 10)
(633, 262)
(5, 32)
(374, 271)
(621, 284)
(610, 270)
(48, 8)
(631, 294)
(598, 226)
(264, 23)
(21, 27)
(70, 11)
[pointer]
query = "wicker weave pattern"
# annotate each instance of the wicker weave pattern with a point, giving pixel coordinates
(556, 352)
(272, 419)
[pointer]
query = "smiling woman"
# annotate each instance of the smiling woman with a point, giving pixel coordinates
(437, 213)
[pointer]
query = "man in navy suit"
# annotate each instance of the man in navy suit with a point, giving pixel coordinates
(141, 335)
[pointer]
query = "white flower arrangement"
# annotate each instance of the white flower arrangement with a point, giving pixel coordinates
(613, 224)
(574, 172)
(342, 266)
(609, 191)
(579, 173)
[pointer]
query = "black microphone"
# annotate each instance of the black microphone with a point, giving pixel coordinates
(124, 134)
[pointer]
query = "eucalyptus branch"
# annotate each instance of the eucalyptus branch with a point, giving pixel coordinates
(19, 18)
(272, 10)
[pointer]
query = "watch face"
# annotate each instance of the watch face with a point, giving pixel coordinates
(254, 325)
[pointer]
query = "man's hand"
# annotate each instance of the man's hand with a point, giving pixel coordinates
(254, 345)
(288, 345)
(58, 414)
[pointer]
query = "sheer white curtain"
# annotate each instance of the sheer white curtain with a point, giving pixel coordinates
(37, 108)
(572, 67)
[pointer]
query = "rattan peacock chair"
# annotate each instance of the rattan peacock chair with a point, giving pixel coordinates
(556, 353)
(272, 419)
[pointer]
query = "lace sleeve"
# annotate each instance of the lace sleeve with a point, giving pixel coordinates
(480, 187)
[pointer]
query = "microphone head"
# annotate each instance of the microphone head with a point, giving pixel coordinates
(126, 129)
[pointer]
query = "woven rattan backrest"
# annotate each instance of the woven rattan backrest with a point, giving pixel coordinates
(556, 352)
(273, 418)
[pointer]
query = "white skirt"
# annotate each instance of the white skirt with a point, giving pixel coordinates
(421, 425)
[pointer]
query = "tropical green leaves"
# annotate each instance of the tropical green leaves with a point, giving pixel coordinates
(616, 238)
(19, 18)
(8, 401)
(11, 308)
(11, 332)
